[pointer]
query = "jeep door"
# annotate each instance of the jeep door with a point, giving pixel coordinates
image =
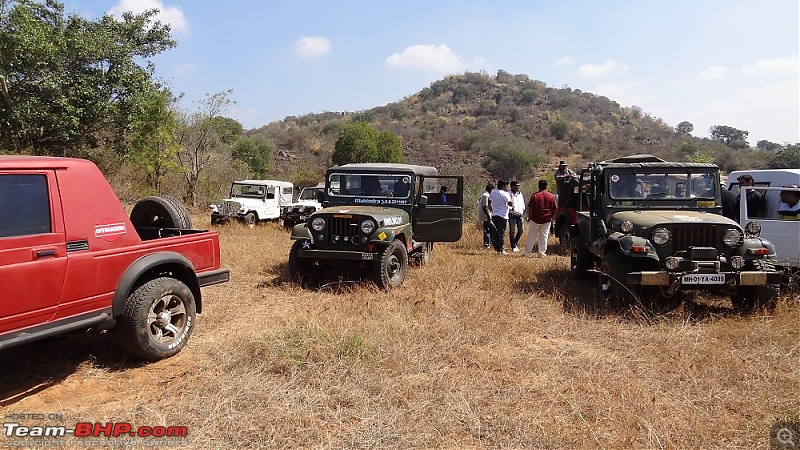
(33, 251)
(439, 217)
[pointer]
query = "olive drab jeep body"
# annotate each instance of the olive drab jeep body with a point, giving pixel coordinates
(377, 217)
(647, 223)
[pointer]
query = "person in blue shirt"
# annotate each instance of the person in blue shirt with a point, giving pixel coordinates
(443, 194)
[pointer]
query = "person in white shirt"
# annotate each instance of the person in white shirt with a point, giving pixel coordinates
(501, 203)
(515, 216)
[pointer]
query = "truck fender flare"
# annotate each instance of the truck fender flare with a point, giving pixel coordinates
(149, 267)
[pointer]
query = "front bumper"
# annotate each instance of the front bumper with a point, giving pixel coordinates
(704, 280)
(296, 218)
(347, 255)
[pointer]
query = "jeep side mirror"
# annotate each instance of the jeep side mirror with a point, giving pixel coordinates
(423, 200)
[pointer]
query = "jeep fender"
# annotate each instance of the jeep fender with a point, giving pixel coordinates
(301, 231)
(756, 243)
(151, 266)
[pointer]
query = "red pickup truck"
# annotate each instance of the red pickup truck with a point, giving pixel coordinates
(72, 259)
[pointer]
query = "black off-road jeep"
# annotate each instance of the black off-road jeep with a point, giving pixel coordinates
(649, 223)
(376, 218)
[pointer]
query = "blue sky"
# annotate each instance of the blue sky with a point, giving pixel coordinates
(711, 62)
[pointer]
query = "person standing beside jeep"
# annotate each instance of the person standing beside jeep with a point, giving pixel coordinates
(542, 210)
(515, 215)
(756, 205)
(484, 214)
(501, 203)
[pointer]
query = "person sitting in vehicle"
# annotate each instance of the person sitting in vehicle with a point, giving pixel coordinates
(789, 207)
(702, 188)
(370, 186)
(625, 186)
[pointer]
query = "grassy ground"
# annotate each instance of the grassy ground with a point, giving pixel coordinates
(475, 350)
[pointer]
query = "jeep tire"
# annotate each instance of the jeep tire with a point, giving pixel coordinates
(618, 293)
(250, 219)
(390, 269)
(158, 319)
(160, 211)
(580, 257)
(301, 270)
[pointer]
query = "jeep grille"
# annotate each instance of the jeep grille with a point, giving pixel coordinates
(230, 208)
(342, 233)
(695, 236)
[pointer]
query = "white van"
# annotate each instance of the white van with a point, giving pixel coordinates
(785, 234)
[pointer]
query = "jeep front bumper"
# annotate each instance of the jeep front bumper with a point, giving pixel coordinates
(704, 280)
(346, 255)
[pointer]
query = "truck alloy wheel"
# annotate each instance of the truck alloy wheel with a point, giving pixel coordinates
(158, 319)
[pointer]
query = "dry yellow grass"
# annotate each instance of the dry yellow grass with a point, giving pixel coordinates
(475, 350)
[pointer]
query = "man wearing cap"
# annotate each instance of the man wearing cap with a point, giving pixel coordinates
(756, 205)
(789, 208)
(564, 176)
(515, 215)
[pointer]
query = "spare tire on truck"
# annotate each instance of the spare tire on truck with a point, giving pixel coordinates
(160, 211)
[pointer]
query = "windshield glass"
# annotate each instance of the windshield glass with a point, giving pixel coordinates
(309, 194)
(662, 185)
(372, 185)
(248, 190)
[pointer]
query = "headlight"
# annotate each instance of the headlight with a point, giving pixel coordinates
(367, 226)
(753, 228)
(626, 226)
(318, 224)
(661, 236)
(310, 209)
(737, 262)
(671, 262)
(732, 237)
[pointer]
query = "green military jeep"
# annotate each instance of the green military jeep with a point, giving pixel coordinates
(376, 217)
(648, 223)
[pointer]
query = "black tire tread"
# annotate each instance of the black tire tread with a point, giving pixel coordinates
(170, 211)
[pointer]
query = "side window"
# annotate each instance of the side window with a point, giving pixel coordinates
(25, 204)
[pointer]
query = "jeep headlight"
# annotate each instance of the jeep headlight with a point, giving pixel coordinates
(626, 226)
(753, 228)
(661, 236)
(310, 209)
(318, 224)
(732, 237)
(367, 226)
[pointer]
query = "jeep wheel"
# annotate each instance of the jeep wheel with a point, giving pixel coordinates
(160, 211)
(250, 219)
(423, 256)
(390, 270)
(301, 270)
(580, 258)
(158, 319)
(747, 298)
(564, 238)
(614, 271)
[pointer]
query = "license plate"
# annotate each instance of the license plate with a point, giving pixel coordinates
(367, 256)
(703, 278)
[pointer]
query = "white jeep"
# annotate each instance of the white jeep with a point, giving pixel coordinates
(253, 201)
(784, 234)
(308, 202)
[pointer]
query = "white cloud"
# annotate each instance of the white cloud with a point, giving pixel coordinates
(712, 73)
(431, 57)
(172, 15)
(596, 70)
(184, 69)
(778, 66)
(626, 94)
(565, 61)
(309, 47)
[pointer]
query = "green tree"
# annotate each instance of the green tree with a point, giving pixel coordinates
(528, 96)
(732, 137)
(229, 130)
(153, 147)
(512, 161)
(684, 127)
(358, 142)
(67, 82)
(256, 153)
(786, 158)
(559, 128)
(767, 145)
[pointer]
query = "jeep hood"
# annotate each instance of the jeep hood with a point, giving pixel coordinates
(303, 203)
(649, 218)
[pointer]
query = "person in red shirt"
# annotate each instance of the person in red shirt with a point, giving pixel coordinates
(542, 209)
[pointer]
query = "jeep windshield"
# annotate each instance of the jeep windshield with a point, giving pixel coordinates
(309, 194)
(248, 190)
(678, 185)
(369, 188)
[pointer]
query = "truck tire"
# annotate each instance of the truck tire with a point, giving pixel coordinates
(580, 258)
(614, 270)
(564, 238)
(390, 270)
(423, 256)
(750, 297)
(302, 270)
(160, 211)
(158, 319)
(250, 219)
